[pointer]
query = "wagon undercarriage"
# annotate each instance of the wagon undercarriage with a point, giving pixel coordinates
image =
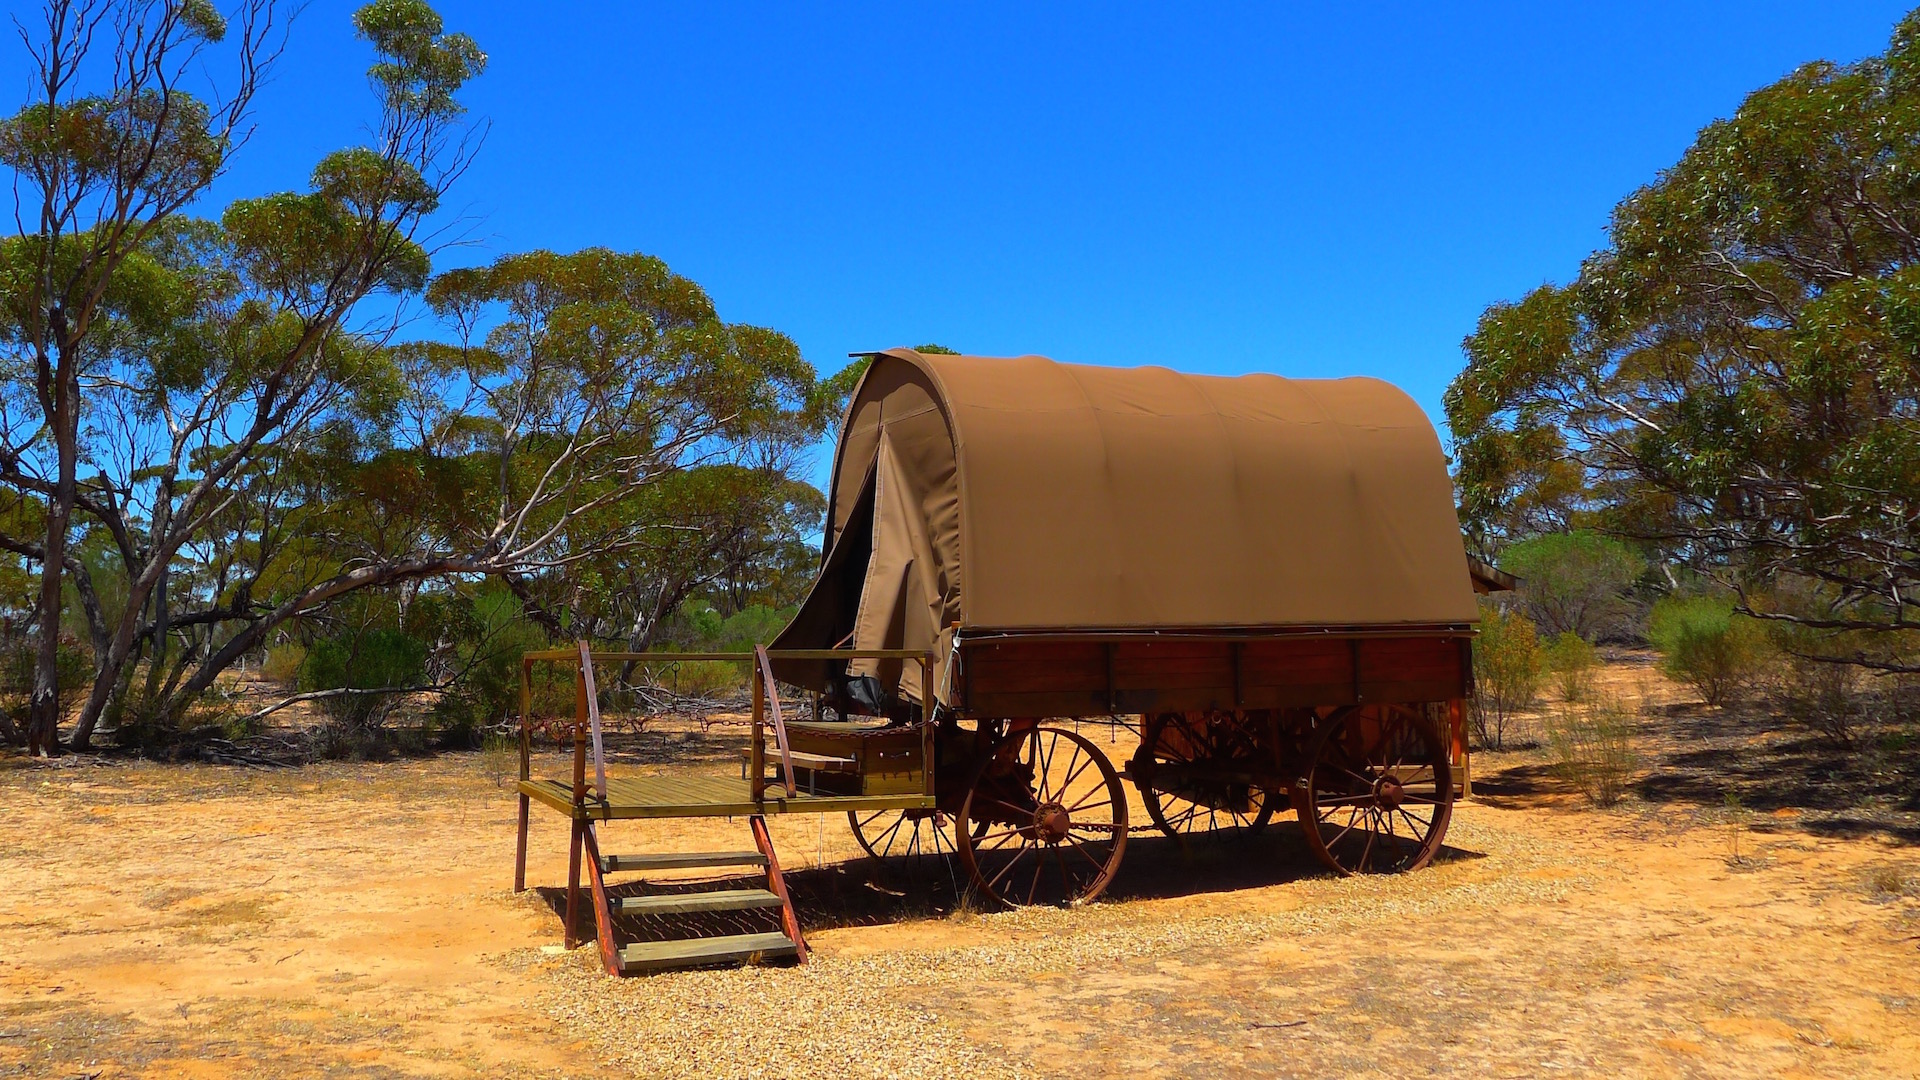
(1031, 810)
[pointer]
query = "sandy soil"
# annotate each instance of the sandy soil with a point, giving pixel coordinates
(356, 920)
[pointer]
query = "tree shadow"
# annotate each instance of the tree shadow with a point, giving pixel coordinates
(867, 892)
(1709, 759)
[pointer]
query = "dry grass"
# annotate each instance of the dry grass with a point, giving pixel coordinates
(340, 920)
(1592, 743)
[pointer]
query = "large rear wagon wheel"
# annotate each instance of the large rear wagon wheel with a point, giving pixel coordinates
(1180, 804)
(1044, 820)
(1379, 790)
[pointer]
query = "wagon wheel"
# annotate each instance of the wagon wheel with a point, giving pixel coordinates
(1044, 820)
(1379, 793)
(1181, 809)
(912, 835)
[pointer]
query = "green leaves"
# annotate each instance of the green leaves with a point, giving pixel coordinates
(164, 146)
(420, 67)
(1737, 376)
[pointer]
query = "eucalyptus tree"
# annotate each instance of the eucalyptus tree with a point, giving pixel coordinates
(608, 410)
(106, 149)
(229, 339)
(583, 427)
(1734, 376)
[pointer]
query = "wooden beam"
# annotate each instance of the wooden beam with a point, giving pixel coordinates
(779, 724)
(590, 691)
(602, 913)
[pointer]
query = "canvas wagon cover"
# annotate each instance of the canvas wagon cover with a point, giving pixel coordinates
(991, 494)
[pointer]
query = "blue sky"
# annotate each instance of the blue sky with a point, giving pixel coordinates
(1310, 190)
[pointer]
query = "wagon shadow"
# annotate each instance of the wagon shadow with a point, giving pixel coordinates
(860, 893)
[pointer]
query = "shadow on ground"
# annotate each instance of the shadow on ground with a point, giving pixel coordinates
(1709, 759)
(867, 892)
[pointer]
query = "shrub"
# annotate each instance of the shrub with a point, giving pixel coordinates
(490, 637)
(1507, 663)
(73, 665)
(705, 678)
(1819, 695)
(1573, 662)
(707, 631)
(283, 661)
(1704, 644)
(1576, 582)
(1593, 747)
(364, 661)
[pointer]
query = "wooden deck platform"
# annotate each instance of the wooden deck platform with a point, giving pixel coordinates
(705, 796)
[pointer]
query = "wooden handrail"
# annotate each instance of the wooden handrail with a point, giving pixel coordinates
(592, 691)
(777, 654)
(779, 722)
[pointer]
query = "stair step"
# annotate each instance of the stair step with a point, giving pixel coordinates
(682, 903)
(695, 952)
(679, 860)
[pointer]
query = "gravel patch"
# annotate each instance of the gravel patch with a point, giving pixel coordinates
(866, 1016)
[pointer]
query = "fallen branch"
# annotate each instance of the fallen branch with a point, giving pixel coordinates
(343, 691)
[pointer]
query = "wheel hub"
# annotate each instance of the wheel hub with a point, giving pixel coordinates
(1052, 822)
(1389, 791)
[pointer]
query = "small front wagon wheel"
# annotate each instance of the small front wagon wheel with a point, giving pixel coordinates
(1044, 819)
(914, 840)
(1174, 745)
(1379, 791)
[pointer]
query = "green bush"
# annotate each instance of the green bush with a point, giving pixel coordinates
(73, 665)
(704, 678)
(490, 636)
(739, 632)
(1507, 667)
(1576, 582)
(1593, 747)
(364, 661)
(1705, 645)
(1573, 662)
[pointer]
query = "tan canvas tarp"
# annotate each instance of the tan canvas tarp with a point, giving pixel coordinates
(1026, 495)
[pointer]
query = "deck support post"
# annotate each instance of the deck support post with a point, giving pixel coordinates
(757, 760)
(520, 849)
(526, 773)
(579, 802)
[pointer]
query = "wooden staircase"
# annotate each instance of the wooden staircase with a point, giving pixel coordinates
(696, 950)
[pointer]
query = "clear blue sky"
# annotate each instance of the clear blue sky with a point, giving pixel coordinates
(1311, 190)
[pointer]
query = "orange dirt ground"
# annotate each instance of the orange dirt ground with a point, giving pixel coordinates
(356, 920)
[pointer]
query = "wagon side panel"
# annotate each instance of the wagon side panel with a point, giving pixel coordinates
(1011, 677)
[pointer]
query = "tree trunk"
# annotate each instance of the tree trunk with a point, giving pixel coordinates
(43, 707)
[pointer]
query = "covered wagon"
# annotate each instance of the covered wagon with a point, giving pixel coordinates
(1267, 572)
(1262, 577)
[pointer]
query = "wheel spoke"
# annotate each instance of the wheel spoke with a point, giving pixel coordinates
(995, 879)
(1012, 810)
(1420, 831)
(1071, 776)
(885, 840)
(1096, 792)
